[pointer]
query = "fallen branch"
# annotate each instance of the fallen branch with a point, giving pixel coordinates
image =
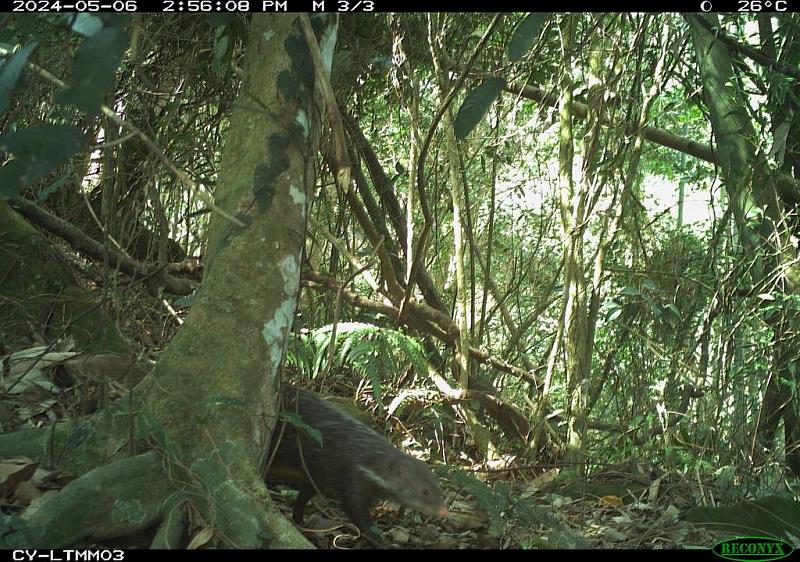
(91, 247)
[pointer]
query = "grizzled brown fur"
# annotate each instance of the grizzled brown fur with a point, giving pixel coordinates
(355, 465)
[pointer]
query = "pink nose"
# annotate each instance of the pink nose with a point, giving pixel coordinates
(442, 512)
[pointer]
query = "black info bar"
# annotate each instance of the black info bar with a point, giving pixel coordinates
(359, 6)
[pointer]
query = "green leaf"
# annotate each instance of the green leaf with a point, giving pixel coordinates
(525, 34)
(220, 48)
(648, 284)
(614, 311)
(188, 300)
(87, 25)
(12, 179)
(37, 151)
(221, 52)
(220, 20)
(475, 106)
(377, 391)
(295, 419)
(653, 305)
(630, 291)
(114, 19)
(10, 72)
(366, 349)
(94, 70)
(46, 192)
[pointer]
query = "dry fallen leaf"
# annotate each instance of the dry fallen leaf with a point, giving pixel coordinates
(41, 476)
(13, 472)
(611, 501)
(399, 536)
(27, 371)
(540, 482)
(26, 493)
(447, 542)
(672, 513)
(26, 413)
(38, 502)
(459, 522)
(201, 538)
(107, 367)
(613, 535)
(655, 488)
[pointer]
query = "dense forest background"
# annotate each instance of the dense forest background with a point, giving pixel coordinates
(553, 255)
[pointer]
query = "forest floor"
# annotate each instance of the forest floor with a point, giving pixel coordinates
(623, 508)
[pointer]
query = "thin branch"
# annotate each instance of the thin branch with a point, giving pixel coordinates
(180, 175)
(342, 171)
(747, 50)
(423, 153)
(421, 317)
(91, 247)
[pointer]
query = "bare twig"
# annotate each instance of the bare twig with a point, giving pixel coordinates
(180, 175)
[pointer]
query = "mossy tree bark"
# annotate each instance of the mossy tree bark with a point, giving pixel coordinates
(204, 417)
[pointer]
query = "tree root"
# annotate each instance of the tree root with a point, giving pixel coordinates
(171, 530)
(112, 501)
(73, 446)
(134, 494)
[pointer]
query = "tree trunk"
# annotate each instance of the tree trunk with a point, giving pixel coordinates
(751, 190)
(210, 405)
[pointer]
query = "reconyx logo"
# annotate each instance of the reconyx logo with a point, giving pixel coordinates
(752, 548)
